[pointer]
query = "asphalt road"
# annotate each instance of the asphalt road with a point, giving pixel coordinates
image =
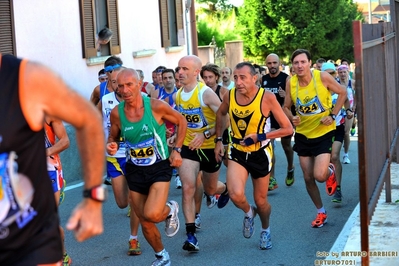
(220, 239)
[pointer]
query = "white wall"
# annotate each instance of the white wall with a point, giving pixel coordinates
(48, 31)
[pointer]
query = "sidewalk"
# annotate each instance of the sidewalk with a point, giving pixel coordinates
(383, 233)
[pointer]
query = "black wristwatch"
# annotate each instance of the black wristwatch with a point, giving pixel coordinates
(218, 139)
(207, 134)
(98, 193)
(332, 116)
(178, 149)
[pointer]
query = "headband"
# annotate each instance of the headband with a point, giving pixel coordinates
(111, 68)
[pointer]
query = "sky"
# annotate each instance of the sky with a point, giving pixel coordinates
(236, 2)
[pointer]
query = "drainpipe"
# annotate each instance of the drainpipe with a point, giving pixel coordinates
(193, 24)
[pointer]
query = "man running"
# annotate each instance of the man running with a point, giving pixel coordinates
(139, 121)
(310, 92)
(251, 152)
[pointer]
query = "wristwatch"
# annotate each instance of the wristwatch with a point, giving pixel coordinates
(207, 134)
(178, 149)
(332, 116)
(218, 139)
(98, 193)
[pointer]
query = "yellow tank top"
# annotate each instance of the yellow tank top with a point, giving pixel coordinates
(247, 119)
(199, 118)
(312, 103)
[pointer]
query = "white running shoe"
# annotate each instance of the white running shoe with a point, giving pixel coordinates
(178, 182)
(163, 260)
(346, 160)
(172, 224)
(198, 221)
(211, 201)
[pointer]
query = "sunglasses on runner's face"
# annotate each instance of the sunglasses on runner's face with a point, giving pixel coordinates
(109, 69)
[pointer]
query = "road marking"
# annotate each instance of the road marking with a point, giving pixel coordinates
(69, 187)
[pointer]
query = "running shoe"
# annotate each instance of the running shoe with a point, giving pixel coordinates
(178, 182)
(129, 210)
(346, 160)
(162, 260)
(134, 247)
(197, 221)
(331, 182)
(321, 219)
(337, 198)
(211, 201)
(107, 181)
(265, 240)
(248, 224)
(172, 224)
(272, 183)
(353, 131)
(290, 179)
(191, 244)
(62, 193)
(66, 260)
(223, 199)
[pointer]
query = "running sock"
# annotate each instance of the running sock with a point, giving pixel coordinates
(321, 210)
(267, 230)
(132, 237)
(346, 154)
(250, 214)
(225, 190)
(190, 228)
(160, 253)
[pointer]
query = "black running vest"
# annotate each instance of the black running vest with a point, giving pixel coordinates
(29, 233)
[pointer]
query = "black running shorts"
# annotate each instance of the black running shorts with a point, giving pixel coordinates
(141, 178)
(313, 147)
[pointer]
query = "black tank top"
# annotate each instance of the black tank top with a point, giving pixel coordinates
(273, 85)
(217, 91)
(29, 233)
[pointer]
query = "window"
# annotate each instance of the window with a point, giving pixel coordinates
(172, 23)
(95, 15)
(7, 32)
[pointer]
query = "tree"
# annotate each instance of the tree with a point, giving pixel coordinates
(216, 18)
(282, 26)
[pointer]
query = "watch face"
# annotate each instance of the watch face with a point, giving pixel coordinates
(99, 193)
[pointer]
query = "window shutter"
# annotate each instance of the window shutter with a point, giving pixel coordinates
(88, 34)
(163, 11)
(114, 26)
(7, 36)
(181, 40)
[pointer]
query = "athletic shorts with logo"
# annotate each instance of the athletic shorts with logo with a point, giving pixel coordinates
(57, 179)
(116, 166)
(206, 158)
(257, 163)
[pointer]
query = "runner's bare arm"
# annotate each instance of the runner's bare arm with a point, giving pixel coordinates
(60, 132)
(42, 93)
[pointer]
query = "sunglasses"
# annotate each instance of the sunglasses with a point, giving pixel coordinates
(109, 69)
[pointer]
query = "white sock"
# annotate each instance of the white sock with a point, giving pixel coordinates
(250, 214)
(160, 253)
(132, 237)
(321, 210)
(266, 230)
(346, 154)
